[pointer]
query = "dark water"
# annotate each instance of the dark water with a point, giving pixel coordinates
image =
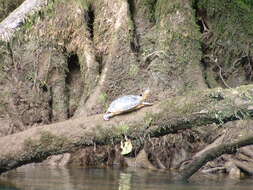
(46, 178)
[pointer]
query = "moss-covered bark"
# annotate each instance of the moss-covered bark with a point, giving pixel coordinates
(227, 41)
(179, 41)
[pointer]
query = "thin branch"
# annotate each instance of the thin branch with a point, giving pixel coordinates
(224, 82)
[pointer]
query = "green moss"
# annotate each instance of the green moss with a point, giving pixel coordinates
(115, 133)
(118, 131)
(230, 24)
(230, 15)
(231, 111)
(103, 97)
(181, 37)
(212, 106)
(148, 118)
(85, 4)
(47, 144)
(178, 43)
(149, 8)
(165, 7)
(102, 135)
(133, 70)
(122, 129)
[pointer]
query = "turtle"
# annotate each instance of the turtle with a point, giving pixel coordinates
(126, 104)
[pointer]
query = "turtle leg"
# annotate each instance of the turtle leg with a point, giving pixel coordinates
(143, 104)
(139, 106)
(107, 116)
(147, 104)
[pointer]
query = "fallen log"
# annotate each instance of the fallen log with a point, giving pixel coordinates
(12, 23)
(196, 108)
(236, 134)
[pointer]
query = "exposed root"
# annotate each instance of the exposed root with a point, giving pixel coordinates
(93, 102)
(228, 143)
(224, 82)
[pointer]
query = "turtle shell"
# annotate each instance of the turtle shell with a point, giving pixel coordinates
(125, 103)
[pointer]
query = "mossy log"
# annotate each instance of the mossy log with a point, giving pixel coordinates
(10, 24)
(194, 109)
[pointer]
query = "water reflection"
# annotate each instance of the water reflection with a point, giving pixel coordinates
(7, 186)
(46, 178)
(125, 181)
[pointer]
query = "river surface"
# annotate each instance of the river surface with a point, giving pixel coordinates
(46, 178)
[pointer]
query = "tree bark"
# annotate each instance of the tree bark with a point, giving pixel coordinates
(169, 116)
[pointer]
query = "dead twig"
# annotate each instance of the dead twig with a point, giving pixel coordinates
(220, 73)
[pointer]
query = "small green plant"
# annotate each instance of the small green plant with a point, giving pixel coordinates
(133, 70)
(103, 97)
(85, 4)
(122, 129)
(218, 94)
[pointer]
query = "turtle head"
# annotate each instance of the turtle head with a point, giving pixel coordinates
(145, 94)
